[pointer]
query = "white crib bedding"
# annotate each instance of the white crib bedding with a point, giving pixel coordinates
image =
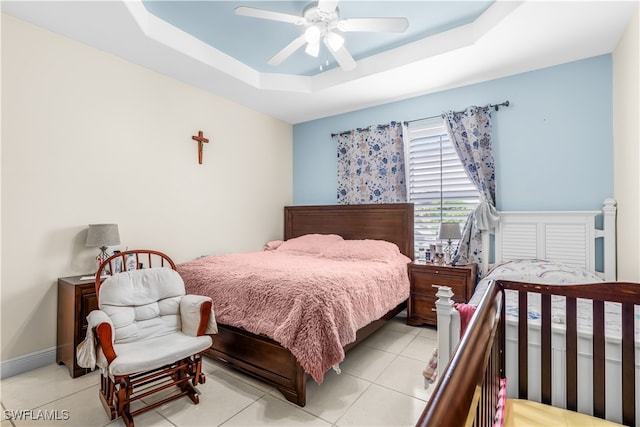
(545, 272)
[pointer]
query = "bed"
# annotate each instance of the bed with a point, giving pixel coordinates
(267, 358)
(473, 382)
(567, 243)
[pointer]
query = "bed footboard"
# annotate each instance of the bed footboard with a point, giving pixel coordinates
(265, 359)
(260, 357)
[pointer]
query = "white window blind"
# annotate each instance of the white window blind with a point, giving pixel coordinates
(437, 183)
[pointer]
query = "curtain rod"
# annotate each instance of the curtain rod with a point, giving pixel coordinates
(495, 106)
(346, 132)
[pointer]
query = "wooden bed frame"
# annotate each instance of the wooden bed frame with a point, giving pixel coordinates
(266, 359)
(470, 381)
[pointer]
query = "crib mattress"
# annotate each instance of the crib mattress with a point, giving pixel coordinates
(528, 413)
(550, 273)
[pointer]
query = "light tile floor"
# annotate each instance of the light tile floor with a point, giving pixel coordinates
(381, 384)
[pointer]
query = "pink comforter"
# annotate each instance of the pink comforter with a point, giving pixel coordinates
(311, 305)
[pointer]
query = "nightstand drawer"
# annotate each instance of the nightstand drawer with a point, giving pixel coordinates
(426, 305)
(425, 277)
(423, 283)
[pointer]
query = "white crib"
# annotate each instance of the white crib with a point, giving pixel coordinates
(568, 237)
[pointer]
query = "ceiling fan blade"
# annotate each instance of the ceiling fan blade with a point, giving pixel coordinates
(327, 6)
(287, 51)
(342, 56)
(269, 14)
(393, 25)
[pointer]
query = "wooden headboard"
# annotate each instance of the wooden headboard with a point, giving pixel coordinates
(392, 222)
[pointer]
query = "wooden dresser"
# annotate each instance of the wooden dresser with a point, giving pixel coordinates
(76, 299)
(423, 276)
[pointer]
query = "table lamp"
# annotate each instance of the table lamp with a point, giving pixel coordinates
(103, 235)
(449, 231)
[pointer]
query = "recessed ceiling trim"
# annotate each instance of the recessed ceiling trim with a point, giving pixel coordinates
(176, 39)
(426, 49)
(286, 83)
(536, 34)
(447, 41)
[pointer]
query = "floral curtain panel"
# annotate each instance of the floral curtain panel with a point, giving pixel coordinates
(371, 165)
(470, 132)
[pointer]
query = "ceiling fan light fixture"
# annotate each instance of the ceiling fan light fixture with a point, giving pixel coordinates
(312, 34)
(322, 24)
(313, 49)
(334, 40)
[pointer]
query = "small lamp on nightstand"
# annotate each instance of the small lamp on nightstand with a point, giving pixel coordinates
(103, 235)
(449, 231)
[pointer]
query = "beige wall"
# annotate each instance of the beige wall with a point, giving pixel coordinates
(90, 138)
(626, 134)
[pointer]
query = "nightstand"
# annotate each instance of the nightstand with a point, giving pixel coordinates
(76, 299)
(423, 276)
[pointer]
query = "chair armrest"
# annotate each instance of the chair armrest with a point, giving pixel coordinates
(99, 321)
(92, 351)
(197, 315)
(96, 317)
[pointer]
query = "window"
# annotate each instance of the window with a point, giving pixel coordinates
(436, 181)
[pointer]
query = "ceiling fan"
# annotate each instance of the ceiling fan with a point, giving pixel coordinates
(322, 23)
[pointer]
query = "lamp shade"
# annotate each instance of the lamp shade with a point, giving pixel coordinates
(449, 231)
(103, 235)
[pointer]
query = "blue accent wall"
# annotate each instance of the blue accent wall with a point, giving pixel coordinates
(553, 146)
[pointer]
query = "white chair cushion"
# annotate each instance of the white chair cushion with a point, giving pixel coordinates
(140, 287)
(143, 303)
(155, 352)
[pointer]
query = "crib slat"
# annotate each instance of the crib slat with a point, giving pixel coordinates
(598, 360)
(619, 292)
(545, 371)
(523, 347)
(572, 354)
(485, 397)
(628, 365)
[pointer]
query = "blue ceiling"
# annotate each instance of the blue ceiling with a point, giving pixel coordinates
(253, 41)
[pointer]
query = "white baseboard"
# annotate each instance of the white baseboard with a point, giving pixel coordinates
(28, 362)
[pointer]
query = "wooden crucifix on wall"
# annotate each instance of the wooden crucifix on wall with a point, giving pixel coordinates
(201, 139)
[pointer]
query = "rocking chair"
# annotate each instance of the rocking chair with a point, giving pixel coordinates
(150, 335)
